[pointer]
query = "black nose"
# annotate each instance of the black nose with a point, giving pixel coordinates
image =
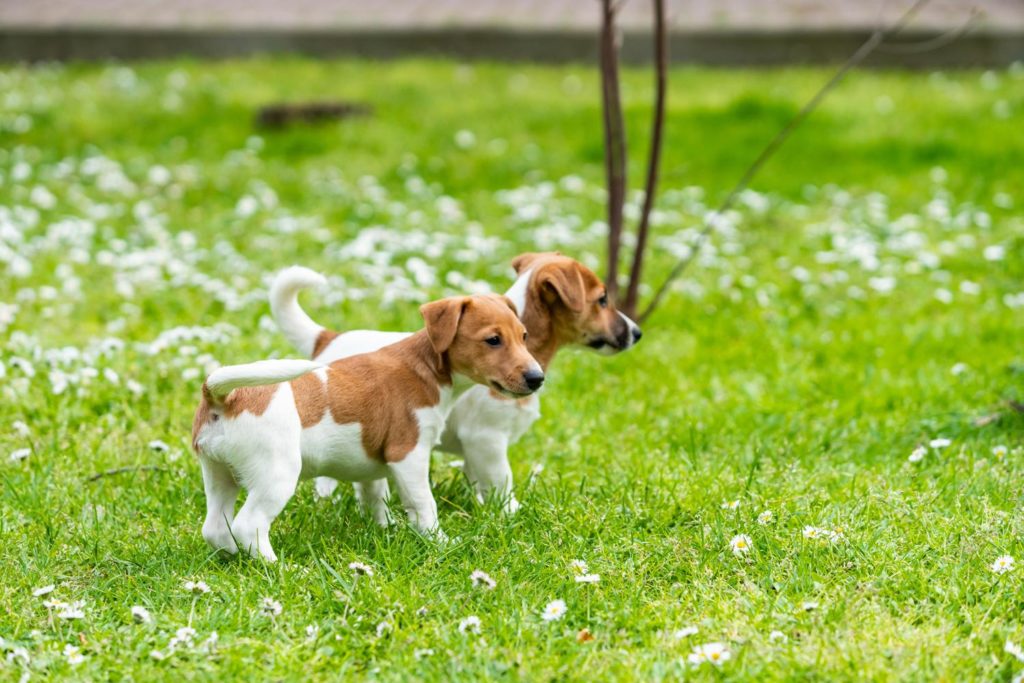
(637, 334)
(533, 379)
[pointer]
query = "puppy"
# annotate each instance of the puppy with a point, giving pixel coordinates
(265, 425)
(560, 301)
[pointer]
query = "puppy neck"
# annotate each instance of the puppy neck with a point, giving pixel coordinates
(417, 352)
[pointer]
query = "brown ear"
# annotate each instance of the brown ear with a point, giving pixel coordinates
(566, 283)
(442, 319)
(511, 304)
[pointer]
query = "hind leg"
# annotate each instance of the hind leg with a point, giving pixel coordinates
(270, 486)
(221, 493)
(373, 497)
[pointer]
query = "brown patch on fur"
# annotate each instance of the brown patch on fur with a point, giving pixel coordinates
(322, 340)
(562, 305)
(310, 398)
(249, 400)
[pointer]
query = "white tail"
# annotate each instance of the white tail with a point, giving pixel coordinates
(223, 381)
(297, 327)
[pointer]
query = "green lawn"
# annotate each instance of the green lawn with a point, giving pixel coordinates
(866, 298)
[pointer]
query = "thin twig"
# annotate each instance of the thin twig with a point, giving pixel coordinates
(653, 156)
(122, 470)
(869, 46)
(615, 143)
(939, 41)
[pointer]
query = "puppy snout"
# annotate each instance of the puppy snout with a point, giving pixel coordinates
(533, 379)
(637, 333)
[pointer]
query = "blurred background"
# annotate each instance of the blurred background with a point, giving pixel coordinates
(714, 32)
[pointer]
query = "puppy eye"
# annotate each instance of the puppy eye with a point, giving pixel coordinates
(603, 301)
(525, 335)
(493, 341)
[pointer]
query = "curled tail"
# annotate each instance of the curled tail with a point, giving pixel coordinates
(297, 327)
(223, 381)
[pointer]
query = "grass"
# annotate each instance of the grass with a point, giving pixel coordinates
(865, 300)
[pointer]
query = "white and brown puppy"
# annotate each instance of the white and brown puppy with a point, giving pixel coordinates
(560, 301)
(265, 425)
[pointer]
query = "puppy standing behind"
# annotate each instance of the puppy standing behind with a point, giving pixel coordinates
(265, 425)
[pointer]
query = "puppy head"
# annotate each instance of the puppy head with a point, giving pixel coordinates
(576, 303)
(484, 340)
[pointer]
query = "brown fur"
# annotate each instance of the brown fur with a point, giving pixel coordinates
(322, 340)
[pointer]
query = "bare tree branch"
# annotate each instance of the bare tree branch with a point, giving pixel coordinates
(615, 142)
(653, 156)
(869, 46)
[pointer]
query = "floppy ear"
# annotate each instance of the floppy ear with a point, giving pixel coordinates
(565, 283)
(511, 304)
(442, 319)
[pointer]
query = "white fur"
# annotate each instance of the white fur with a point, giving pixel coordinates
(298, 328)
(517, 292)
(223, 381)
(268, 454)
(479, 427)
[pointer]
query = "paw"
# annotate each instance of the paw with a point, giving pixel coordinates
(511, 506)
(324, 487)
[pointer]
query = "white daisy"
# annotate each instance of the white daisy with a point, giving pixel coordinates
(730, 504)
(1014, 649)
(271, 607)
(1003, 564)
(75, 610)
(21, 428)
(554, 610)
(481, 578)
(809, 605)
(685, 632)
(588, 578)
(159, 446)
(423, 653)
(73, 655)
(44, 590)
(20, 454)
(197, 587)
(777, 637)
(157, 655)
(766, 517)
(1000, 452)
(812, 532)
(312, 631)
(383, 628)
(578, 566)
(470, 624)
(141, 615)
(361, 569)
(715, 653)
(939, 443)
(917, 455)
(740, 544)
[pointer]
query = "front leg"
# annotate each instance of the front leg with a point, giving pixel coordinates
(486, 454)
(411, 476)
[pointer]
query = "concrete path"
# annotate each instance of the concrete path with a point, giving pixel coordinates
(710, 31)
